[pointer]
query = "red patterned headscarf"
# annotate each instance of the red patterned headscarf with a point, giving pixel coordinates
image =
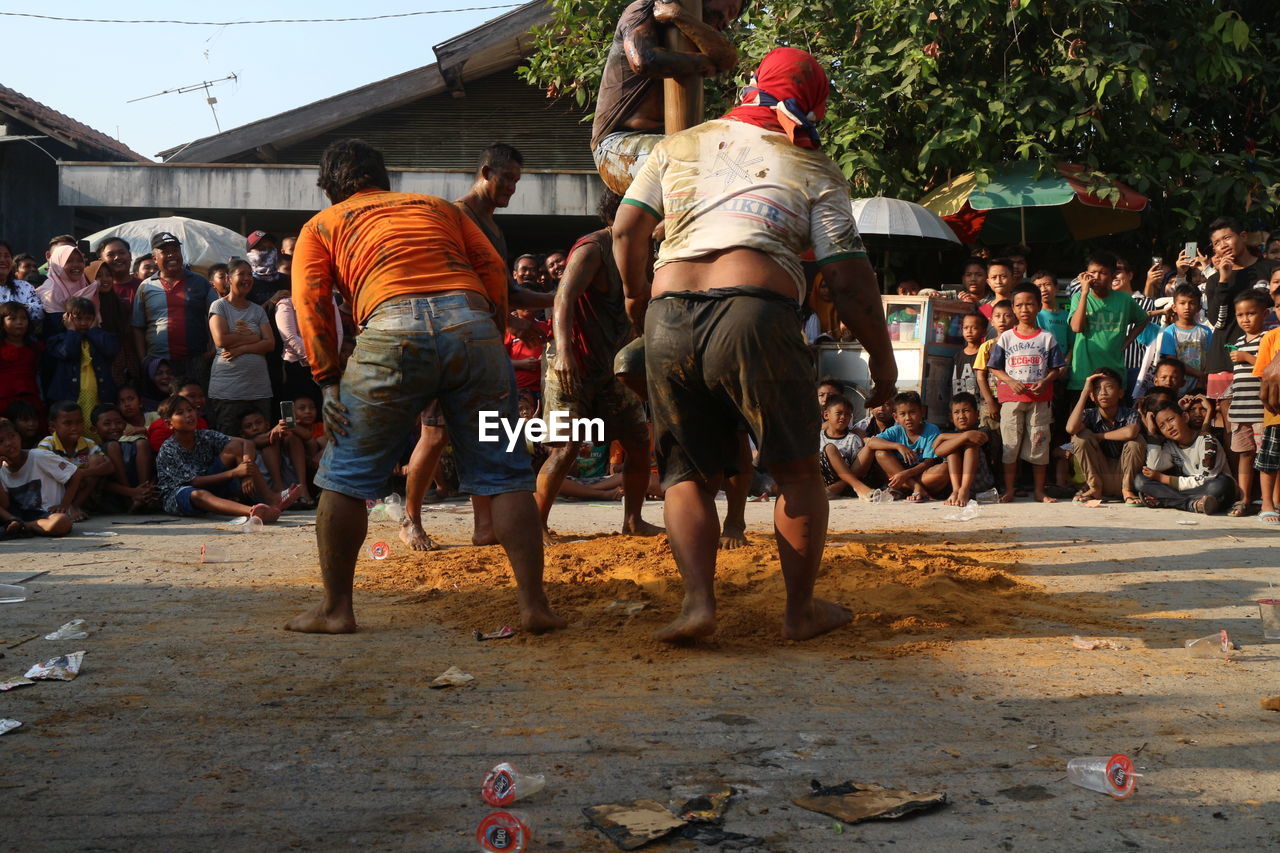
(788, 93)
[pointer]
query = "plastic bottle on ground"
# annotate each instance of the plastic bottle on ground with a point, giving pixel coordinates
(505, 784)
(1113, 775)
(1212, 646)
(10, 594)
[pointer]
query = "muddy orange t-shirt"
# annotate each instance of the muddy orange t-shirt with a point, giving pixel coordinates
(379, 245)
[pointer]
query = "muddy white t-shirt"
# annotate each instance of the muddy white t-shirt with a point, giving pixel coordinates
(727, 184)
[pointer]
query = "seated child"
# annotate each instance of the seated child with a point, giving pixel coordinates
(136, 420)
(1187, 471)
(968, 467)
(827, 386)
(1171, 373)
(905, 453)
(843, 456)
(310, 431)
(274, 447)
(27, 420)
(68, 441)
(78, 361)
(1147, 408)
(876, 421)
(159, 429)
(131, 486)
(201, 470)
(1106, 440)
(33, 487)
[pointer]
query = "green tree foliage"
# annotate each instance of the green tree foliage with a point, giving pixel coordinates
(1178, 98)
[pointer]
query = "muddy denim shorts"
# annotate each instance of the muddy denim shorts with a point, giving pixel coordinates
(413, 351)
(620, 155)
(720, 359)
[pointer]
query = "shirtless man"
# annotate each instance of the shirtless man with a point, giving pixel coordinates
(629, 119)
(590, 324)
(496, 178)
(723, 344)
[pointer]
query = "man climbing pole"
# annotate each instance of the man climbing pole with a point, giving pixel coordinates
(629, 108)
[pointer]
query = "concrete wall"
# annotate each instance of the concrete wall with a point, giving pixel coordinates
(29, 211)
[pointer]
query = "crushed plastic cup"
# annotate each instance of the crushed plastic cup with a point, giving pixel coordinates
(1212, 646)
(1113, 774)
(73, 630)
(1269, 610)
(968, 512)
(10, 594)
(379, 550)
(990, 496)
(881, 496)
(503, 832)
(210, 553)
(252, 524)
(393, 507)
(7, 725)
(504, 784)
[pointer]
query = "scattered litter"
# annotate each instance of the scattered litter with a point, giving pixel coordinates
(501, 634)
(8, 725)
(628, 608)
(968, 512)
(1212, 646)
(504, 784)
(61, 668)
(73, 630)
(99, 534)
(451, 677)
(854, 803)
(10, 594)
(1188, 522)
(1270, 704)
(1113, 775)
(379, 550)
(1033, 746)
(633, 824)
(707, 808)
(712, 835)
(880, 496)
(1095, 503)
(503, 832)
(1269, 610)
(990, 496)
(14, 682)
(247, 524)
(1091, 644)
(214, 553)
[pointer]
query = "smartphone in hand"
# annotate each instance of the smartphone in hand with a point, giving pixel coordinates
(286, 412)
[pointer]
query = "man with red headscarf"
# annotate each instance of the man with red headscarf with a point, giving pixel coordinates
(742, 197)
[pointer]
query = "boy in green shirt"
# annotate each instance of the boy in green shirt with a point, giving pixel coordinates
(1105, 322)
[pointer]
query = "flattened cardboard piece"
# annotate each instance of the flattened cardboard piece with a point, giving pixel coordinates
(707, 808)
(633, 824)
(852, 802)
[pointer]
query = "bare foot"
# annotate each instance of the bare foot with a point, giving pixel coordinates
(1006, 498)
(640, 527)
(732, 538)
(482, 538)
(77, 514)
(960, 497)
(1045, 499)
(316, 621)
(539, 619)
(822, 616)
(918, 498)
(689, 627)
(415, 537)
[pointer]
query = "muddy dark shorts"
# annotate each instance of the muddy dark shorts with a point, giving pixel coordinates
(720, 359)
(603, 397)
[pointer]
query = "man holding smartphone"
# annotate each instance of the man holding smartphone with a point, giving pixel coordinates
(1234, 269)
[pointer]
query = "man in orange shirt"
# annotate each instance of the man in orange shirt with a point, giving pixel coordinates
(430, 293)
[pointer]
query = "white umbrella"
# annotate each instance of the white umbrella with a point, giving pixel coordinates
(891, 223)
(203, 243)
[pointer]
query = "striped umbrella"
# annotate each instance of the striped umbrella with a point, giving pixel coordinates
(1020, 206)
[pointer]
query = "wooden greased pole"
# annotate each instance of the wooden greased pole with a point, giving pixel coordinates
(682, 96)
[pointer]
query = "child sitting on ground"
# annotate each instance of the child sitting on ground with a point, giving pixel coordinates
(27, 420)
(1170, 373)
(1002, 318)
(201, 470)
(33, 486)
(67, 440)
(279, 452)
(1106, 440)
(159, 429)
(136, 419)
(131, 486)
(876, 421)
(843, 456)
(1245, 411)
(1026, 362)
(905, 452)
(1186, 471)
(1151, 403)
(965, 452)
(79, 359)
(310, 431)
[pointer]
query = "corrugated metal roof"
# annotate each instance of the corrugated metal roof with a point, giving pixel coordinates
(63, 127)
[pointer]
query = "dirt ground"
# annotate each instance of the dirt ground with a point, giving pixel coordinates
(198, 724)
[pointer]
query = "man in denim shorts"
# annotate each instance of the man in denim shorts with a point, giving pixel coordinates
(742, 197)
(429, 292)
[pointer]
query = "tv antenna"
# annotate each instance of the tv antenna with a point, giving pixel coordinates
(205, 84)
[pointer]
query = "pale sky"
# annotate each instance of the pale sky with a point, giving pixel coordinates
(90, 71)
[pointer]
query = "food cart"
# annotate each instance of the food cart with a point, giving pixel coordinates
(925, 334)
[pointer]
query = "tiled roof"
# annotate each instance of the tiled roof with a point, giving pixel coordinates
(61, 126)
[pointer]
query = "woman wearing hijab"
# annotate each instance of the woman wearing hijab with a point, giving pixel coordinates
(13, 289)
(66, 279)
(742, 197)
